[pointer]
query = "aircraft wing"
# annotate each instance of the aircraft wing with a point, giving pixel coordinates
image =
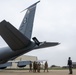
(46, 44)
(15, 39)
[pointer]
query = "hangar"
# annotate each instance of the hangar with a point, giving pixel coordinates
(22, 59)
(74, 64)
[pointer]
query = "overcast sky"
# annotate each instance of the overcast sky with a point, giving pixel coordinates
(55, 21)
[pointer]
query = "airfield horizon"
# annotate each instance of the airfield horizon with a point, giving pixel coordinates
(26, 72)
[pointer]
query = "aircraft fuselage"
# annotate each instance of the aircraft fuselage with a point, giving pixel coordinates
(7, 53)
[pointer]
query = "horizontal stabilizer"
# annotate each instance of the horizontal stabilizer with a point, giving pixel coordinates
(47, 44)
(15, 39)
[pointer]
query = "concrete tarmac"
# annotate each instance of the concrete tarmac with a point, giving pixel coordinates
(26, 72)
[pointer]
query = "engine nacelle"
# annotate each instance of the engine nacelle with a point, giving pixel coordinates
(23, 63)
(5, 65)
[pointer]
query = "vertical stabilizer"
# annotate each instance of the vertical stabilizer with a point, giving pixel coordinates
(27, 23)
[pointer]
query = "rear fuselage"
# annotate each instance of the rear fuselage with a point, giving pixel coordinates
(7, 53)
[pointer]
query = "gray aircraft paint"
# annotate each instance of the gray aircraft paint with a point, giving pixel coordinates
(26, 28)
(27, 23)
(10, 53)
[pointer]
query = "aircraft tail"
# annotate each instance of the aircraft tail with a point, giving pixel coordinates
(27, 23)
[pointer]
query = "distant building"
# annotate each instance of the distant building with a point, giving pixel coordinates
(74, 64)
(23, 58)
